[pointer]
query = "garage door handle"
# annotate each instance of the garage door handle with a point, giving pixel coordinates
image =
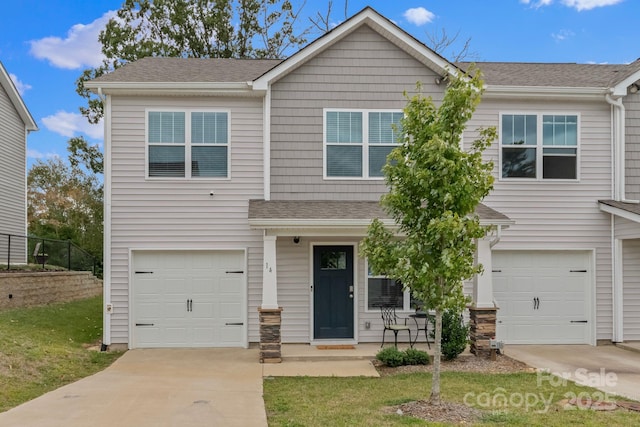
(496, 271)
(235, 272)
(144, 324)
(144, 272)
(577, 271)
(234, 324)
(579, 321)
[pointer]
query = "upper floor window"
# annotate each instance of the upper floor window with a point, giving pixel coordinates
(539, 146)
(193, 144)
(357, 143)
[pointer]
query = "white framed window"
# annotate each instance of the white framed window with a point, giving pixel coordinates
(188, 144)
(357, 142)
(381, 290)
(539, 146)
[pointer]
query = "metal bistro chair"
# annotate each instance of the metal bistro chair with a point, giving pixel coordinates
(390, 320)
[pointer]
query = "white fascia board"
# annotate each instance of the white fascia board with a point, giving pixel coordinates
(285, 223)
(620, 89)
(495, 91)
(369, 16)
(620, 212)
(16, 100)
(263, 223)
(504, 223)
(182, 88)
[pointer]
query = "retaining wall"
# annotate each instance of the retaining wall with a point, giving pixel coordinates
(34, 289)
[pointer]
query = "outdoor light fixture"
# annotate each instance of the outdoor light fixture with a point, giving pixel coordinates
(633, 88)
(296, 239)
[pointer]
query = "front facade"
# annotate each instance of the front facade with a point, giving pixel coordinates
(234, 186)
(15, 124)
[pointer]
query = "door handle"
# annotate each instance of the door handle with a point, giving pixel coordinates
(189, 305)
(536, 303)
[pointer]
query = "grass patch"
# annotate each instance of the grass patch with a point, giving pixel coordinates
(307, 401)
(44, 348)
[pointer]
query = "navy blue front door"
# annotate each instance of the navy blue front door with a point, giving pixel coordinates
(333, 292)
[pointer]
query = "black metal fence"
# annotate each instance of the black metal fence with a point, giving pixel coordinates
(17, 251)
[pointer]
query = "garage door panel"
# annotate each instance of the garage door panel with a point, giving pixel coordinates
(540, 293)
(189, 297)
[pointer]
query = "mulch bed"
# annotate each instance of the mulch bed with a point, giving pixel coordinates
(450, 412)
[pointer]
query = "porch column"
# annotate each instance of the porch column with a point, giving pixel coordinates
(483, 283)
(269, 312)
(482, 312)
(269, 274)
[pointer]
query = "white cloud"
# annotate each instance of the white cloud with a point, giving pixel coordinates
(38, 155)
(419, 16)
(79, 49)
(562, 35)
(589, 4)
(579, 5)
(21, 86)
(72, 124)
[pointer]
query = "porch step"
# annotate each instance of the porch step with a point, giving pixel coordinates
(306, 352)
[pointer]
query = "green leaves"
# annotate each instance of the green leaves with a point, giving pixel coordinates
(193, 29)
(434, 188)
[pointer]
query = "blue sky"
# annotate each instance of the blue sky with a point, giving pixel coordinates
(45, 45)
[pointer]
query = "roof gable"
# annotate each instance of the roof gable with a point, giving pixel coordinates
(16, 100)
(377, 23)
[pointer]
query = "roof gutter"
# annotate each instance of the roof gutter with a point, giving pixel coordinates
(619, 115)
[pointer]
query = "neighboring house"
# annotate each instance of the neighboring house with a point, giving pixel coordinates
(15, 124)
(239, 186)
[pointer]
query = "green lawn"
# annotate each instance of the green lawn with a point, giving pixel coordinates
(306, 401)
(44, 348)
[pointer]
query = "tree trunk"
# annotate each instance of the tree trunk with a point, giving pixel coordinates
(434, 399)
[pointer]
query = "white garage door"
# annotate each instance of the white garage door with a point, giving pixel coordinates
(188, 299)
(544, 297)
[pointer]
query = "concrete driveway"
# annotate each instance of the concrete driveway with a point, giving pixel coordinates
(607, 368)
(172, 387)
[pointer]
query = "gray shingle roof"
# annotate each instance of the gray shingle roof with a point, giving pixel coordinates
(629, 207)
(326, 209)
(556, 74)
(209, 70)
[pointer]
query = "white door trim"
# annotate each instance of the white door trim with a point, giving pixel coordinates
(312, 245)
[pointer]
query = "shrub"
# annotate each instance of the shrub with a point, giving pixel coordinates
(415, 357)
(391, 357)
(455, 335)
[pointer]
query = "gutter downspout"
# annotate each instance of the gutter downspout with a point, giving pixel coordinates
(619, 149)
(619, 191)
(106, 270)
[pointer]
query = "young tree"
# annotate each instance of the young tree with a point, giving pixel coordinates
(434, 187)
(192, 29)
(64, 201)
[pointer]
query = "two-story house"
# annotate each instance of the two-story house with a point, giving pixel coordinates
(15, 124)
(233, 186)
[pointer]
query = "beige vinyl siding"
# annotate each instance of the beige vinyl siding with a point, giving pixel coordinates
(362, 71)
(13, 178)
(557, 215)
(625, 229)
(632, 143)
(631, 289)
(180, 214)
